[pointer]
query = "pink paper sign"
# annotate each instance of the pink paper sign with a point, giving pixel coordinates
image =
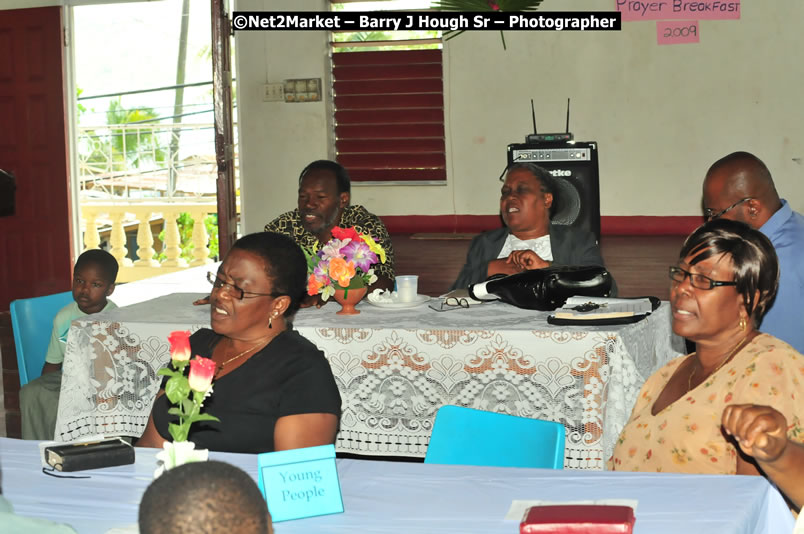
(678, 9)
(677, 32)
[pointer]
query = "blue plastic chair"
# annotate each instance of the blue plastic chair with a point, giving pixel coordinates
(32, 322)
(465, 436)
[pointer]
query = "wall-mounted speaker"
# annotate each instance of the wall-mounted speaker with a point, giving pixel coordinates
(574, 168)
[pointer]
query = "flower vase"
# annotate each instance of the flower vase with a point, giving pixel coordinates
(174, 454)
(347, 298)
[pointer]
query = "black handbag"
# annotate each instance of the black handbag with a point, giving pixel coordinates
(549, 288)
(562, 282)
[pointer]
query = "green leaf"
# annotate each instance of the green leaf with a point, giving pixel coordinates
(174, 411)
(178, 432)
(166, 371)
(311, 258)
(202, 417)
(188, 406)
(177, 388)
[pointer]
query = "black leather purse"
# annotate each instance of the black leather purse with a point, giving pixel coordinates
(549, 288)
(562, 282)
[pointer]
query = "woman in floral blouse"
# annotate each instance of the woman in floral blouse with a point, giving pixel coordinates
(725, 279)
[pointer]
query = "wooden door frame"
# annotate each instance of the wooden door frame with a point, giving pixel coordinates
(224, 134)
(72, 104)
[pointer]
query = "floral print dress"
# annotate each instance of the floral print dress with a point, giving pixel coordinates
(686, 436)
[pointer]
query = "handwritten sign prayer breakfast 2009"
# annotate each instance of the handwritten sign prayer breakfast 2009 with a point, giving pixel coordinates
(633, 10)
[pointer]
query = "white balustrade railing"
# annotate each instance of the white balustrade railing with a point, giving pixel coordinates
(143, 212)
(143, 160)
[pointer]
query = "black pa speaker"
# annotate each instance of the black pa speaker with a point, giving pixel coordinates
(573, 165)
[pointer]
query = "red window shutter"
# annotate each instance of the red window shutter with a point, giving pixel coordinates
(389, 115)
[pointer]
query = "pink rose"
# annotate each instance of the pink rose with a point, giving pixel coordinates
(179, 345)
(201, 373)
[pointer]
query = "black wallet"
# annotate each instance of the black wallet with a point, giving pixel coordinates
(91, 455)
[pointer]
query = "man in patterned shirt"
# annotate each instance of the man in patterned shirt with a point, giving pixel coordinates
(324, 194)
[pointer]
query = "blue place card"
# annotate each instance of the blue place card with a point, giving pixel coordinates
(300, 482)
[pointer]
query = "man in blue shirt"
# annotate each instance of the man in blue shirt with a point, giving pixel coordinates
(739, 187)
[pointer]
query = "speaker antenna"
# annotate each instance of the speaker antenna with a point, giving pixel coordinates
(537, 138)
(568, 108)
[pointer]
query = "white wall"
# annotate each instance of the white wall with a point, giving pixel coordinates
(25, 4)
(661, 114)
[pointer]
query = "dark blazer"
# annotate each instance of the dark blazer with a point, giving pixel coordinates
(570, 246)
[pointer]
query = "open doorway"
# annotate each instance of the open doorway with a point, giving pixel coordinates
(144, 155)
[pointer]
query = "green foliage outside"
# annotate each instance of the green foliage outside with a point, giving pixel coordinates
(186, 223)
(120, 151)
(138, 146)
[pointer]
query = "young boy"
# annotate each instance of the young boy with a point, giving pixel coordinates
(94, 276)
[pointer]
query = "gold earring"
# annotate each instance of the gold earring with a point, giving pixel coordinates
(743, 324)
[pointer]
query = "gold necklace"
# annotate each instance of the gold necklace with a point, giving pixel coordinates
(233, 358)
(721, 364)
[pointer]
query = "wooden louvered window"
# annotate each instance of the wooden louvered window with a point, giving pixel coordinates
(389, 101)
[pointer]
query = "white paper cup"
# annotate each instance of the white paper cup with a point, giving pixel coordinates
(407, 287)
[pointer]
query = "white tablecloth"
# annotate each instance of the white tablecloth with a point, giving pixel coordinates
(407, 498)
(394, 369)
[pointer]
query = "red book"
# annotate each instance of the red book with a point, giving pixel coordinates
(578, 519)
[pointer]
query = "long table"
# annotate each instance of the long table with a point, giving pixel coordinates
(412, 498)
(394, 369)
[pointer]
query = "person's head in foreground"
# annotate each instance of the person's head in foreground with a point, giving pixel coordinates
(739, 187)
(525, 200)
(726, 278)
(324, 192)
(94, 277)
(258, 286)
(204, 498)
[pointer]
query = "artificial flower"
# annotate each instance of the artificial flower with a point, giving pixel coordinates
(345, 233)
(187, 394)
(327, 292)
(360, 253)
(179, 345)
(332, 249)
(314, 285)
(341, 271)
(343, 262)
(374, 247)
(201, 372)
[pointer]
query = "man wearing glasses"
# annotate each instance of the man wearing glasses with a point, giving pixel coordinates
(740, 187)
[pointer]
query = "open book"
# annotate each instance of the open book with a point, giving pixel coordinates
(594, 308)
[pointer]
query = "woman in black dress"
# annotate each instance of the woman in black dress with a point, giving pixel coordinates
(273, 389)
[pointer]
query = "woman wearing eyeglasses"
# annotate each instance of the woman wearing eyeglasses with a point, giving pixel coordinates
(273, 389)
(725, 279)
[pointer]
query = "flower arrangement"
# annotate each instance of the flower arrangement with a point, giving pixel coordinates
(344, 262)
(187, 393)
